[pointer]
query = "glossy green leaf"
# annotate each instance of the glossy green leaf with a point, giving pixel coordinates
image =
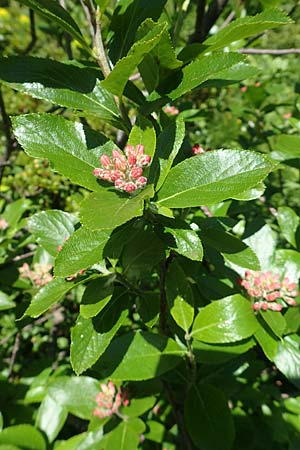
(220, 353)
(233, 249)
(68, 85)
(72, 149)
(82, 250)
(5, 302)
(91, 337)
(275, 320)
(187, 243)
(168, 145)
(50, 418)
(76, 394)
(96, 296)
(252, 193)
(228, 320)
(285, 147)
(121, 361)
(84, 441)
(289, 223)
(126, 435)
(287, 358)
(179, 296)
(287, 264)
(126, 19)
(138, 406)
(52, 228)
(247, 26)
(50, 294)
(212, 177)
(155, 431)
(107, 209)
(13, 213)
(118, 77)
(143, 132)
(23, 434)
(263, 243)
(266, 339)
(59, 16)
(208, 419)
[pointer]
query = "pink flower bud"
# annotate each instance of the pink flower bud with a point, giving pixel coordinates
(59, 248)
(256, 306)
(264, 306)
(129, 150)
(145, 160)
(120, 184)
(105, 161)
(292, 286)
(120, 164)
(98, 172)
(197, 149)
(130, 187)
(243, 88)
(131, 160)
(139, 150)
(271, 297)
(257, 84)
(290, 301)
(275, 307)
(136, 172)
(115, 175)
(293, 293)
(117, 154)
(141, 182)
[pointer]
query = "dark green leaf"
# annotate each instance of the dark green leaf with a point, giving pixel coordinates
(287, 358)
(126, 436)
(275, 321)
(96, 296)
(266, 339)
(228, 320)
(220, 353)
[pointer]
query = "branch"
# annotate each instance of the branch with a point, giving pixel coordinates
(9, 140)
(32, 32)
(67, 36)
(228, 19)
(197, 36)
(214, 11)
(269, 51)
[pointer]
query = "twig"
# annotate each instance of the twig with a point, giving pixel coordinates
(32, 33)
(67, 36)
(16, 259)
(228, 19)
(197, 36)
(214, 11)
(13, 355)
(163, 299)
(269, 51)
(9, 140)
(99, 48)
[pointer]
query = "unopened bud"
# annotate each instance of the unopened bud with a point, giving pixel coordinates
(130, 187)
(105, 161)
(139, 150)
(145, 160)
(136, 172)
(197, 149)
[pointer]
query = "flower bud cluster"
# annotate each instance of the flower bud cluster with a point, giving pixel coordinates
(197, 149)
(109, 400)
(39, 275)
(171, 110)
(3, 224)
(125, 171)
(268, 292)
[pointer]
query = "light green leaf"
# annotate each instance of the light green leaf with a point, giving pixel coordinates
(59, 16)
(266, 339)
(90, 338)
(212, 177)
(287, 358)
(96, 296)
(289, 223)
(19, 434)
(72, 149)
(118, 77)
(13, 213)
(138, 406)
(126, 435)
(52, 228)
(143, 133)
(263, 243)
(168, 145)
(82, 250)
(285, 147)
(122, 359)
(287, 264)
(68, 85)
(247, 26)
(5, 302)
(50, 418)
(228, 320)
(275, 321)
(187, 243)
(252, 193)
(179, 296)
(208, 419)
(107, 209)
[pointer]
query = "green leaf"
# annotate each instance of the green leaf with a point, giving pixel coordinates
(115, 208)
(245, 27)
(155, 431)
(76, 394)
(252, 193)
(82, 250)
(122, 359)
(118, 77)
(285, 147)
(179, 296)
(208, 419)
(275, 321)
(220, 353)
(13, 213)
(143, 132)
(287, 264)
(289, 223)
(90, 338)
(5, 302)
(126, 19)
(263, 243)
(287, 358)
(50, 418)
(84, 441)
(68, 85)
(50, 294)
(168, 145)
(233, 249)
(228, 320)
(213, 177)
(96, 296)
(58, 15)
(138, 406)
(52, 228)
(266, 339)
(187, 243)
(25, 436)
(126, 435)
(72, 149)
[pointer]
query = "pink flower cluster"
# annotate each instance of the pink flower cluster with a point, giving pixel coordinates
(268, 292)
(171, 110)
(126, 172)
(3, 224)
(197, 149)
(109, 400)
(39, 275)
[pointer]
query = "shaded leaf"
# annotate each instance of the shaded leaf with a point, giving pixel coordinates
(287, 358)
